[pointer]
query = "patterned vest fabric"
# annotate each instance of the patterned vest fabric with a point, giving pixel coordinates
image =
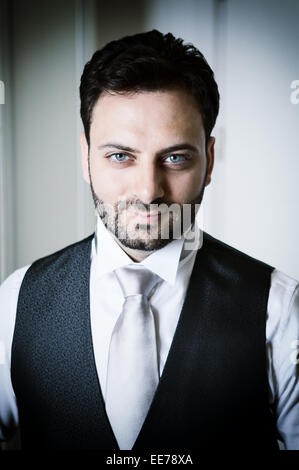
(213, 393)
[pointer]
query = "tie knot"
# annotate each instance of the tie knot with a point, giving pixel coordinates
(136, 280)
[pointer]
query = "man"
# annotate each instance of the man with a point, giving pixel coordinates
(150, 334)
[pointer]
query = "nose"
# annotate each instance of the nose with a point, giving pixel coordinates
(148, 183)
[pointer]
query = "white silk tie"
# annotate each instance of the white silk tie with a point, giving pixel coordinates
(132, 373)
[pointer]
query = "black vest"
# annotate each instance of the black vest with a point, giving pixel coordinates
(213, 393)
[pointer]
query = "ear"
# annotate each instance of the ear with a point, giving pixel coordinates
(210, 159)
(84, 157)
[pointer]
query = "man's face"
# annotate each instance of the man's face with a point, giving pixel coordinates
(147, 155)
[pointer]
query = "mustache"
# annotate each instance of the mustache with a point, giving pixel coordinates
(142, 207)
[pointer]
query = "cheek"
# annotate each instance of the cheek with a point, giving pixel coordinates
(187, 186)
(106, 186)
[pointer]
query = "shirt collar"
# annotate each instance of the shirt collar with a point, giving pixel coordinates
(165, 262)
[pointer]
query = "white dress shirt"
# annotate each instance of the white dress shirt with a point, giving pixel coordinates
(174, 264)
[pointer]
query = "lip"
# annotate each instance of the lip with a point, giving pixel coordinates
(148, 217)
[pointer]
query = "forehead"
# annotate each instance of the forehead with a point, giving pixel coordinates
(173, 113)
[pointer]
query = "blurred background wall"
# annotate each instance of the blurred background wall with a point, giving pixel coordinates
(252, 201)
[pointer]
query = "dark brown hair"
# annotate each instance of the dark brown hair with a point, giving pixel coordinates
(149, 61)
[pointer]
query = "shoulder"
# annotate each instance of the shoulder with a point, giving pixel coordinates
(13, 281)
(283, 282)
(68, 250)
(236, 259)
(9, 292)
(59, 260)
(10, 287)
(57, 270)
(283, 306)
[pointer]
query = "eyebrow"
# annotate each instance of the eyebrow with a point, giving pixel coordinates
(172, 148)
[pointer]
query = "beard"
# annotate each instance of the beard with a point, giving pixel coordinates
(170, 225)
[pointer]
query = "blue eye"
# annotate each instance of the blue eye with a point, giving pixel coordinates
(118, 155)
(177, 156)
